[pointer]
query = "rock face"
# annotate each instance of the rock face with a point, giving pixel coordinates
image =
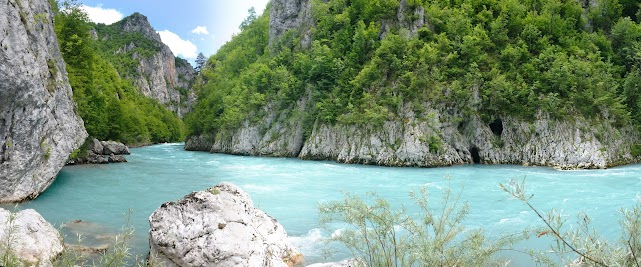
(33, 239)
(288, 15)
(161, 76)
(38, 126)
(275, 135)
(218, 227)
(440, 140)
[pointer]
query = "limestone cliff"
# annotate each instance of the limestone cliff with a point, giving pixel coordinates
(438, 135)
(38, 126)
(288, 15)
(433, 139)
(158, 74)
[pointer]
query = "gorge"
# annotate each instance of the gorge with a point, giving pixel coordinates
(467, 84)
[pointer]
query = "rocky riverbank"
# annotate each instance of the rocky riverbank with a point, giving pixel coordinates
(436, 139)
(99, 152)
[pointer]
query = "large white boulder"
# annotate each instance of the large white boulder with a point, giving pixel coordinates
(29, 237)
(219, 227)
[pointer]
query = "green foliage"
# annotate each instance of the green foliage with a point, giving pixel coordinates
(381, 235)
(435, 144)
(123, 48)
(581, 244)
(237, 81)
(488, 58)
(636, 150)
(46, 148)
(110, 106)
(8, 256)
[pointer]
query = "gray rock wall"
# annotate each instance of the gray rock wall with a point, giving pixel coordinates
(38, 126)
(438, 139)
(288, 15)
(158, 76)
(279, 134)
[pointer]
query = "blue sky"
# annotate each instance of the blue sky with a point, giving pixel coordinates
(188, 26)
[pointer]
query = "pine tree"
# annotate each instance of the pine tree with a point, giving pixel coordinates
(200, 62)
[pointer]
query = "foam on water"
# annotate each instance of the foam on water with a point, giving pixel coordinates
(290, 190)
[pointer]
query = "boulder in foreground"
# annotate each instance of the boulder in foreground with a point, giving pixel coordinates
(32, 240)
(219, 227)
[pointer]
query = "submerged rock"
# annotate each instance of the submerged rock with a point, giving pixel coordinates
(33, 240)
(218, 227)
(96, 238)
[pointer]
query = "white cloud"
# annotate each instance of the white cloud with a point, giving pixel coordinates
(200, 30)
(177, 45)
(102, 15)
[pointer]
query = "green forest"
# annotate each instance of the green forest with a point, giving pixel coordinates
(489, 58)
(111, 107)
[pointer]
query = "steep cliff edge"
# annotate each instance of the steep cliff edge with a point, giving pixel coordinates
(156, 72)
(38, 126)
(404, 83)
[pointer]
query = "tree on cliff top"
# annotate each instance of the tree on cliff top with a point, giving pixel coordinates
(200, 62)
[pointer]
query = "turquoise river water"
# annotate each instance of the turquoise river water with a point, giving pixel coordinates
(290, 190)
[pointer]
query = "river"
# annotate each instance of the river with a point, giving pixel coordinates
(290, 190)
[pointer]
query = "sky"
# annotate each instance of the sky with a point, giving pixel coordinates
(188, 27)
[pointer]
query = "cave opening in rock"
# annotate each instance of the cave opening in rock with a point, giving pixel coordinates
(476, 158)
(497, 127)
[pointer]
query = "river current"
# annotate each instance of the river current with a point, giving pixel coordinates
(290, 189)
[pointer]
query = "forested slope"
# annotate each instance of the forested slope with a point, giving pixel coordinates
(108, 102)
(426, 83)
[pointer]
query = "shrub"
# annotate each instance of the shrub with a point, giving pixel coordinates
(381, 235)
(8, 257)
(636, 150)
(582, 242)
